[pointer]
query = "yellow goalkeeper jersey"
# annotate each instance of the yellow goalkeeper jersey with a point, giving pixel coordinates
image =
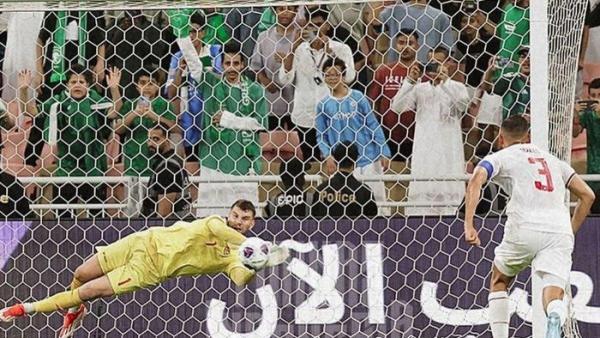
(206, 246)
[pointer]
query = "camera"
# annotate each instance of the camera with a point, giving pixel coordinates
(502, 62)
(587, 103)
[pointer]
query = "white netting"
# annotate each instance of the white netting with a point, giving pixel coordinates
(252, 106)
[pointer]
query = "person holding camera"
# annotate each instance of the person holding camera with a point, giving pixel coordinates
(513, 87)
(587, 116)
(303, 65)
(439, 104)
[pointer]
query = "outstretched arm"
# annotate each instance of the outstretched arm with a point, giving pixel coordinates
(242, 275)
(476, 182)
(219, 228)
(180, 22)
(585, 196)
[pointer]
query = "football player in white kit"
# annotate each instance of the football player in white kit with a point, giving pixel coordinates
(538, 231)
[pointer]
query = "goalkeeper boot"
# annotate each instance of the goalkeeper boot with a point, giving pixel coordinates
(9, 313)
(71, 322)
(553, 329)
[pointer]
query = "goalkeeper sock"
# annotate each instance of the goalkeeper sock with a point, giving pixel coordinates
(498, 313)
(59, 301)
(74, 285)
(558, 306)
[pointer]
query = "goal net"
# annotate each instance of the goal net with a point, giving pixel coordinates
(352, 126)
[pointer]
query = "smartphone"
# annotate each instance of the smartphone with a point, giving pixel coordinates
(587, 103)
(144, 101)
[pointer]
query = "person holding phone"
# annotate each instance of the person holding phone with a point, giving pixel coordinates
(587, 116)
(513, 87)
(439, 104)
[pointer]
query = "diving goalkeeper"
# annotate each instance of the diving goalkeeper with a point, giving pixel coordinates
(147, 258)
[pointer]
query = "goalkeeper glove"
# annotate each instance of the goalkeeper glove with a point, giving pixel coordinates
(277, 255)
(180, 21)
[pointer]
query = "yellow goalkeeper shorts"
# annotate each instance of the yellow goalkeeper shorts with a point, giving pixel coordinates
(128, 263)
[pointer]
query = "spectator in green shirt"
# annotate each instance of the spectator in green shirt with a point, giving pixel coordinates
(138, 117)
(587, 116)
(235, 111)
(513, 31)
(513, 87)
(78, 125)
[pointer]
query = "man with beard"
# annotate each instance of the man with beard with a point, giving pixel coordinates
(398, 128)
(145, 259)
(235, 109)
(167, 188)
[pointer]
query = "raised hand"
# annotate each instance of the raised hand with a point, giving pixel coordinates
(24, 79)
(114, 78)
(414, 73)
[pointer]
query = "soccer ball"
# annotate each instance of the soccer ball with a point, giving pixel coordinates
(254, 253)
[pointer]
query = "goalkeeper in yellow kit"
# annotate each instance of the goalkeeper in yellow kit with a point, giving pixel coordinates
(147, 258)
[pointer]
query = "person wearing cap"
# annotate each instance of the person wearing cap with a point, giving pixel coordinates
(292, 199)
(513, 87)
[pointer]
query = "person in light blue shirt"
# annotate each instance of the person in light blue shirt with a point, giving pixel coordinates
(431, 23)
(347, 115)
(182, 86)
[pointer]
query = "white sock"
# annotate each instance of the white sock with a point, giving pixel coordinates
(498, 313)
(28, 308)
(560, 308)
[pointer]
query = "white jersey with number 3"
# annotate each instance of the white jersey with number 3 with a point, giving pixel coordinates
(536, 182)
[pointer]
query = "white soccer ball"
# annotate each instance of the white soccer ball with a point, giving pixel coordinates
(254, 253)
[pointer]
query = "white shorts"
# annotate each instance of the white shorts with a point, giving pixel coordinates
(544, 251)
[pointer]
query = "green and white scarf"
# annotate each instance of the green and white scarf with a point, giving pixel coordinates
(60, 39)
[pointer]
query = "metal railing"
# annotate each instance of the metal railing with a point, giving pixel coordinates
(127, 180)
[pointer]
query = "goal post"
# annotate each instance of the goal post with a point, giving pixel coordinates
(556, 33)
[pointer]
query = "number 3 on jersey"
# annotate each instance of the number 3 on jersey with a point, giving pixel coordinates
(543, 171)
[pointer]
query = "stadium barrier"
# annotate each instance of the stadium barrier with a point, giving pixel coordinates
(316, 179)
(383, 278)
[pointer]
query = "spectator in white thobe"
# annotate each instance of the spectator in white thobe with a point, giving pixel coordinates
(439, 103)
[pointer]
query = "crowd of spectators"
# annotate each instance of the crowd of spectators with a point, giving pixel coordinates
(370, 88)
